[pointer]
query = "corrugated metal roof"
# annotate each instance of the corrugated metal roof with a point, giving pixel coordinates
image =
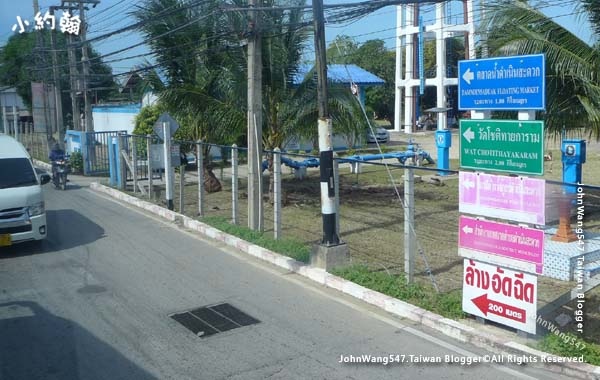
(345, 74)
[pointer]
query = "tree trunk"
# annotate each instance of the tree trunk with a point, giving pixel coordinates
(211, 183)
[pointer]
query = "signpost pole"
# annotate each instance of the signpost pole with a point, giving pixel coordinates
(168, 169)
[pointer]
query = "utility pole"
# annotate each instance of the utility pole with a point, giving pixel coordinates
(89, 125)
(40, 61)
(73, 74)
(60, 126)
(255, 201)
(73, 71)
(331, 252)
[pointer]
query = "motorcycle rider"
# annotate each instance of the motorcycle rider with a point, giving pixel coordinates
(56, 154)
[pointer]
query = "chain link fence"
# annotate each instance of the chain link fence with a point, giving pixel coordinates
(371, 212)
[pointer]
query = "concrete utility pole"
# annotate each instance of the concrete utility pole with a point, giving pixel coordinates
(40, 61)
(85, 64)
(60, 125)
(73, 71)
(74, 74)
(331, 252)
(255, 202)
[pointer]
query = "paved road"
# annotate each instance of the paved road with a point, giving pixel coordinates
(93, 302)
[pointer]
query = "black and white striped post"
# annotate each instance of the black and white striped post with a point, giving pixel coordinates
(331, 252)
(328, 204)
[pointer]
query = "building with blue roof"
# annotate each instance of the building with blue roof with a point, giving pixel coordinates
(345, 75)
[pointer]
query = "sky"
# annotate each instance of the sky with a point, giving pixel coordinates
(109, 15)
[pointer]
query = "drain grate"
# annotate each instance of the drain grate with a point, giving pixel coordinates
(210, 320)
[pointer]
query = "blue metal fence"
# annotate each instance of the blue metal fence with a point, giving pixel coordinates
(94, 148)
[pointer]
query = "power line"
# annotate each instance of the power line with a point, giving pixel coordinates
(299, 26)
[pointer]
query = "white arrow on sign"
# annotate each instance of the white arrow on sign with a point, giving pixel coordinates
(468, 184)
(469, 134)
(467, 230)
(468, 76)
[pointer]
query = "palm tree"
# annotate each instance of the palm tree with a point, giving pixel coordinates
(201, 50)
(195, 45)
(572, 65)
(291, 110)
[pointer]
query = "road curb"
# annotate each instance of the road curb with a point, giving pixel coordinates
(392, 305)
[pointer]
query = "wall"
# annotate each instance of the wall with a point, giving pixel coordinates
(115, 117)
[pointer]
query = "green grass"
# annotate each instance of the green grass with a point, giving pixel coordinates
(447, 304)
(287, 247)
(570, 345)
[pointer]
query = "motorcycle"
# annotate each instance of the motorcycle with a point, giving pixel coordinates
(59, 175)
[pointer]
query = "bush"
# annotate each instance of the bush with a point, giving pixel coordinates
(571, 345)
(76, 161)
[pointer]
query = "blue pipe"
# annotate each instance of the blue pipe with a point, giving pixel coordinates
(314, 162)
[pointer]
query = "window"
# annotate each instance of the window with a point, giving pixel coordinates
(16, 172)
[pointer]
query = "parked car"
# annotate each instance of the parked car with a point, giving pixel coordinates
(381, 135)
(22, 211)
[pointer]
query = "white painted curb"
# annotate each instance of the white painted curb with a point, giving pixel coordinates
(392, 305)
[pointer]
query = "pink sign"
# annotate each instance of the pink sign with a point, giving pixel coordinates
(504, 244)
(514, 198)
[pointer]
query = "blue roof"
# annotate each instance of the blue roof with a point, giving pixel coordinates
(345, 74)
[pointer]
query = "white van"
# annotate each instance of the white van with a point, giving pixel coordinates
(22, 210)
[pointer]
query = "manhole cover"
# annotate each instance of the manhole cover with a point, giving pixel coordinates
(211, 320)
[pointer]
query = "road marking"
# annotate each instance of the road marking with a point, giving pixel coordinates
(257, 263)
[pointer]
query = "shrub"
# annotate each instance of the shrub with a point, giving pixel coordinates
(572, 346)
(76, 161)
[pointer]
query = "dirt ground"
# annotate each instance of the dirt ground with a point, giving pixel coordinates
(372, 220)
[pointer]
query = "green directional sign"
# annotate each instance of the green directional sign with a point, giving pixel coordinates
(512, 146)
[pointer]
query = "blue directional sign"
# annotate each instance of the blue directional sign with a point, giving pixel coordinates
(502, 83)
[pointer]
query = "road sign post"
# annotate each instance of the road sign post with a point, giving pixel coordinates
(169, 174)
(502, 145)
(500, 295)
(165, 127)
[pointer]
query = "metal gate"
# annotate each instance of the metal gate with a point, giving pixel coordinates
(95, 153)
